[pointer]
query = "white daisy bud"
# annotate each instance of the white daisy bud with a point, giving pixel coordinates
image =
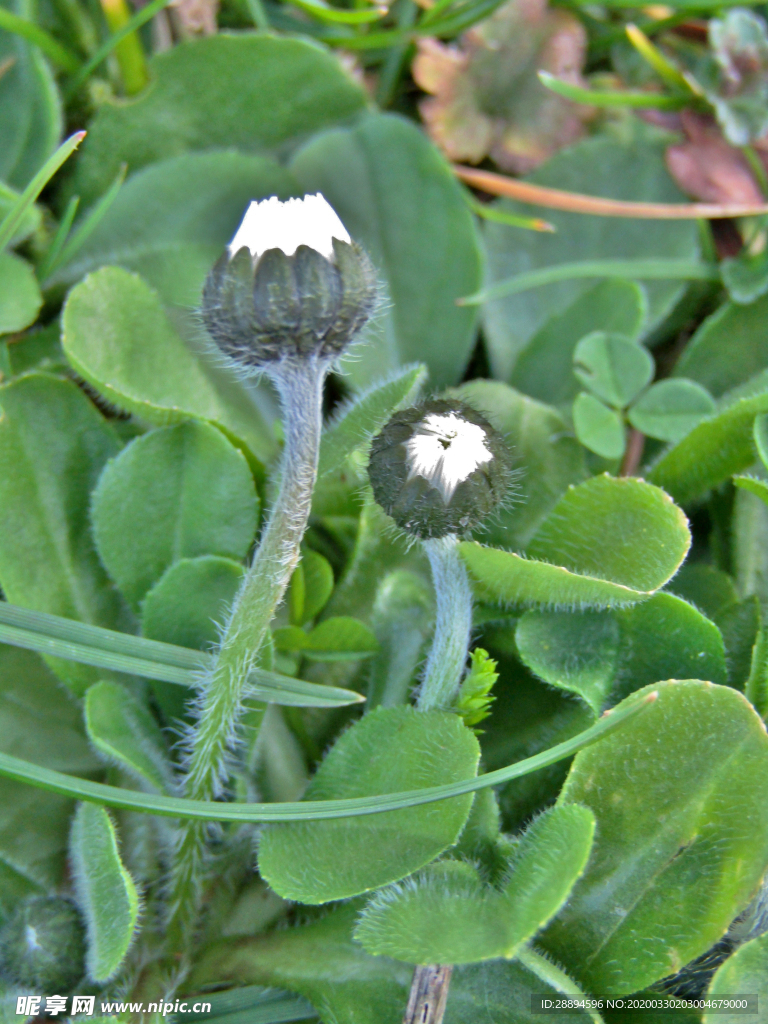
(272, 224)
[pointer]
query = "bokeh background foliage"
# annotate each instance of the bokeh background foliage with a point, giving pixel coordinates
(623, 357)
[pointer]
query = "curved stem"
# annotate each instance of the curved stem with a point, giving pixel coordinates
(300, 386)
(448, 655)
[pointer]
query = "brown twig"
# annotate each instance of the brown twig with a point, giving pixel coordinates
(575, 202)
(429, 994)
(633, 454)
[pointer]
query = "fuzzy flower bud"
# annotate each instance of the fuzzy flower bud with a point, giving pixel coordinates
(439, 468)
(291, 284)
(42, 946)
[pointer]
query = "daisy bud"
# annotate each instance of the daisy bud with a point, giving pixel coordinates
(439, 468)
(291, 284)
(42, 946)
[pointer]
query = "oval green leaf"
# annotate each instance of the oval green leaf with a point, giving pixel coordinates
(599, 428)
(389, 750)
(671, 409)
(177, 492)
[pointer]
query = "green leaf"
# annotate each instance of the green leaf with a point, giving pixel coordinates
(739, 624)
(447, 915)
(40, 723)
(545, 450)
(171, 221)
(712, 452)
(699, 765)
(544, 368)
(746, 276)
(474, 698)
(339, 638)
(390, 749)
(118, 338)
(419, 232)
(311, 810)
(105, 891)
(728, 349)
(745, 971)
(253, 93)
(318, 583)
(760, 433)
(20, 298)
(666, 638)
(756, 688)
(602, 166)
(612, 367)
(30, 111)
(356, 423)
(53, 445)
(125, 734)
(254, 1004)
(753, 485)
(190, 601)
(703, 586)
(577, 651)
(177, 492)
(506, 578)
(587, 533)
(599, 428)
(671, 409)
(402, 620)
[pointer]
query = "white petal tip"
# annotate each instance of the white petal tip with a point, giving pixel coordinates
(274, 224)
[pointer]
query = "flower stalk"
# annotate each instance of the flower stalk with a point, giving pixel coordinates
(285, 300)
(453, 624)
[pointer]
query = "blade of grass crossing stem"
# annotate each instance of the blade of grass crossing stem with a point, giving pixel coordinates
(336, 15)
(53, 49)
(310, 810)
(632, 270)
(91, 221)
(151, 659)
(499, 217)
(36, 186)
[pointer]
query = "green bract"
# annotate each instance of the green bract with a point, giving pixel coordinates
(439, 468)
(278, 306)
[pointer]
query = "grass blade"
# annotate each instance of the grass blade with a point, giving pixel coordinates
(151, 659)
(324, 12)
(254, 1005)
(36, 186)
(59, 54)
(631, 270)
(140, 18)
(500, 217)
(311, 810)
(607, 98)
(49, 260)
(91, 220)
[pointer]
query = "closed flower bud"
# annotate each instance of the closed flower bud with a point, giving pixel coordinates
(439, 468)
(291, 284)
(42, 946)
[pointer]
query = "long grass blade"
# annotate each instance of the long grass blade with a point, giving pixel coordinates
(310, 810)
(337, 15)
(59, 54)
(511, 219)
(36, 186)
(151, 659)
(576, 202)
(632, 270)
(50, 258)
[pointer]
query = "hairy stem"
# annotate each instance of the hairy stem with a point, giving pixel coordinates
(448, 655)
(300, 386)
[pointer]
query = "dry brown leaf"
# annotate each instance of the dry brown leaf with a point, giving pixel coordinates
(485, 97)
(195, 17)
(707, 167)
